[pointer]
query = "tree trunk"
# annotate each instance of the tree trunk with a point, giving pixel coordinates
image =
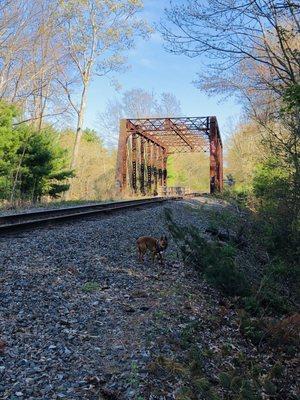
(12, 196)
(79, 129)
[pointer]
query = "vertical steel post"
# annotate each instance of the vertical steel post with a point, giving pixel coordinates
(142, 183)
(220, 163)
(213, 145)
(154, 165)
(122, 156)
(160, 163)
(133, 157)
(165, 173)
(149, 167)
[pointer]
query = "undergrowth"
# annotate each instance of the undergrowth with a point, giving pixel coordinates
(264, 310)
(263, 303)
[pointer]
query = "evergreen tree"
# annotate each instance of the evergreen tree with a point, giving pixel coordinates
(8, 147)
(32, 164)
(44, 168)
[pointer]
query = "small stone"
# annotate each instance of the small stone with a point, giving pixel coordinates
(144, 308)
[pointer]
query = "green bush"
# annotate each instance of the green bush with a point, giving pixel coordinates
(202, 385)
(90, 287)
(251, 304)
(224, 275)
(225, 380)
(253, 329)
(43, 169)
(278, 201)
(32, 164)
(215, 262)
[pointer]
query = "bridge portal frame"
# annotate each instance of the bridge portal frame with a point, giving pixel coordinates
(154, 139)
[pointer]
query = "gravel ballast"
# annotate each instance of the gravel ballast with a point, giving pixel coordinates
(81, 318)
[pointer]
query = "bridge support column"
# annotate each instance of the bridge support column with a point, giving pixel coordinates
(216, 154)
(220, 165)
(142, 183)
(164, 168)
(154, 166)
(149, 167)
(121, 173)
(133, 155)
(160, 168)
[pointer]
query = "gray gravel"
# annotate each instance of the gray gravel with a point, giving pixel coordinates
(45, 206)
(58, 332)
(81, 318)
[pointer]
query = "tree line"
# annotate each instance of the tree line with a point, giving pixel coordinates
(49, 54)
(251, 50)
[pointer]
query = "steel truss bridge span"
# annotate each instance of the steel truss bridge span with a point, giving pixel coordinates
(145, 144)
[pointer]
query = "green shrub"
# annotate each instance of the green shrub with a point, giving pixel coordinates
(225, 380)
(42, 166)
(247, 391)
(253, 329)
(215, 262)
(225, 276)
(277, 370)
(91, 287)
(202, 385)
(236, 382)
(270, 388)
(197, 361)
(251, 304)
(32, 164)
(278, 200)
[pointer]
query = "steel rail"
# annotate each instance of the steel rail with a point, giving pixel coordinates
(15, 222)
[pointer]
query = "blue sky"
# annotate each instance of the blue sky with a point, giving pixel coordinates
(154, 69)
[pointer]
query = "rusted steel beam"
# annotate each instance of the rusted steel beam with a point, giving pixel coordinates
(154, 168)
(213, 150)
(149, 166)
(216, 157)
(165, 173)
(133, 158)
(172, 127)
(135, 128)
(122, 156)
(160, 166)
(164, 136)
(142, 163)
(157, 124)
(220, 165)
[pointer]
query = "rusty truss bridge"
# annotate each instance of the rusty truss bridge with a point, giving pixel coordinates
(146, 143)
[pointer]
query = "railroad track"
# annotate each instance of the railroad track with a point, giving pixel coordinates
(15, 222)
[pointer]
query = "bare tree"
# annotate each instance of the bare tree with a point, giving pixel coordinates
(14, 20)
(31, 58)
(96, 34)
(168, 105)
(252, 49)
(135, 103)
(230, 33)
